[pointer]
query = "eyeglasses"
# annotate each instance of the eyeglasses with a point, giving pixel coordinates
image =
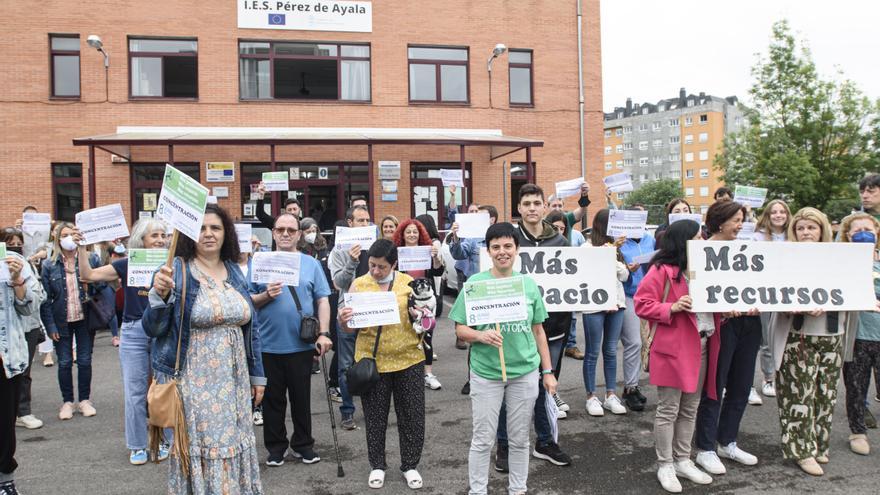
(12, 230)
(285, 230)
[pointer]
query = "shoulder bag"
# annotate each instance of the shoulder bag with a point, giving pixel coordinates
(308, 325)
(648, 334)
(164, 403)
(362, 375)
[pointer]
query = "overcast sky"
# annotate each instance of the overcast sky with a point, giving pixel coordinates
(651, 48)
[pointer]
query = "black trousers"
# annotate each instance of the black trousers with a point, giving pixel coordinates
(408, 389)
(24, 396)
(857, 378)
(8, 405)
(288, 376)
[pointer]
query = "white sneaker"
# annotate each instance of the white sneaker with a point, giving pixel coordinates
(768, 389)
(754, 398)
(687, 469)
(709, 461)
(735, 453)
(668, 480)
(560, 414)
(560, 404)
(258, 418)
(432, 382)
(612, 403)
(28, 421)
(594, 407)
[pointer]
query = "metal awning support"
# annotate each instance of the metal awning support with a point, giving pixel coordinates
(506, 153)
(464, 200)
(276, 208)
(530, 171)
(92, 187)
(371, 203)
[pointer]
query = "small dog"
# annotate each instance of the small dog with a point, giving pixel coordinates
(422, 304)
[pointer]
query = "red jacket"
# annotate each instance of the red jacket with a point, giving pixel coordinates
(675, 353)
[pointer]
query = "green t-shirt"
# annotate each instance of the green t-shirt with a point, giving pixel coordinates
(869, 321)
(520, 351)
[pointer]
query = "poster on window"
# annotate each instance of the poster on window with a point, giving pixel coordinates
(309, 15)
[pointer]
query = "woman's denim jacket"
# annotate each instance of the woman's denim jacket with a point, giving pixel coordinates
(53, 310)
(162, 322)
(13, 347)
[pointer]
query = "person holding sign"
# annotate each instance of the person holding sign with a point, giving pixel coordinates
(806, 349)
(683, 357)
(221, 365)
(719, 416)
(399, 361)
(65, 315)
(677, 206)
(524, 349)
(134, 346)
(287, 358)
(862, 347)
(411, 233)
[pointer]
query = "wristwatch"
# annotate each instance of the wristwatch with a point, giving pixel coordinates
(546, 372)
(324, 333)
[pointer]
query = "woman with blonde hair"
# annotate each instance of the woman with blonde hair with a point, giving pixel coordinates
(862, 345)
(389, 225)
(807, 352)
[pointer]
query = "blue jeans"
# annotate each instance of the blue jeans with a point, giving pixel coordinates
(85, 340)
(345, 352)
(134, 358)
(572, 335)
(603, 332)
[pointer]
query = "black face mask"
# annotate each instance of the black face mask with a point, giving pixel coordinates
(16, 249)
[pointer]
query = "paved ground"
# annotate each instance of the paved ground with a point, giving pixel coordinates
(613, 453)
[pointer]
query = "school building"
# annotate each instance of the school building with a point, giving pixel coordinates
(350, 98)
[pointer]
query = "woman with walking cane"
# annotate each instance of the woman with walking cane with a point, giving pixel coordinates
(504, 361)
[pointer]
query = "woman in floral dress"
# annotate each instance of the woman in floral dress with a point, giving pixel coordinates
(220, 364)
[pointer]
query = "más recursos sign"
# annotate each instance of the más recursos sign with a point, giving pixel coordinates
(306, 15)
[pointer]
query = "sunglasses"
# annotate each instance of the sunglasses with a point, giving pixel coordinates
(285, 230)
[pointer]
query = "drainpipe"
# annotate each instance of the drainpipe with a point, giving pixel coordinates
(581, 94)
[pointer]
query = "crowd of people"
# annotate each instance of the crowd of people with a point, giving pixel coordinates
(239, 351)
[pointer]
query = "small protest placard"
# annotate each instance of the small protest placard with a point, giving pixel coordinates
(618, 183)
(106, 223)
(182, 203)
(276, 266)
(750, 196)
(244, 231)
(568, 188)
(142, 263)
(627, 223)
(414, 258)
(495, 301)
(451, 177)
(346, 237)
(275, 181)
(371, 309)
(472, 225)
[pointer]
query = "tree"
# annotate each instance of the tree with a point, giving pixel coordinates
(807, 140)
(655, 196)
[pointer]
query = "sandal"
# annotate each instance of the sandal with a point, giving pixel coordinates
(413, 479)
(376, 479)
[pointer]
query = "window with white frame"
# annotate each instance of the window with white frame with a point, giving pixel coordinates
(704, 191)
(674, 157)
(618, 148)
(658, 160)
(608, 165)
(690, 102)
(608, 133)
(675, 174)
(608, 150)
(643, 127)
(627, 161)
(658, 143)
(688, 157)
(704, 173)
(689, 173)
(704, 119)
(704, 137)
(618, 131)
(674, 139)
(643, 177)
(643, 161)
(627, 146)
(643, 145)
(689, 191)
(688, 139)
(628, 129)
(619, 163)
(704, 155)
(673, 123)
(645, 110)
(688, 121)
(657, 125)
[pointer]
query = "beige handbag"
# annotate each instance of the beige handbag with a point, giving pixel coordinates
(648, 332)
(165, 406)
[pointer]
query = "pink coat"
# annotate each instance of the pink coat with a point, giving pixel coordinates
(675, 353)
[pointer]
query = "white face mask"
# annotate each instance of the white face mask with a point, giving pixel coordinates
(387, 279)
(67, 243)
(311, 236)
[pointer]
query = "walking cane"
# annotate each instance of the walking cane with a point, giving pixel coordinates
(339, 472)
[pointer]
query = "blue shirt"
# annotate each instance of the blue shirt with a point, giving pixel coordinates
(630, 249)
(279, 321)
(136, 300)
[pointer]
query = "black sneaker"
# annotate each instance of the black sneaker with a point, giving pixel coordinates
(501, 460)
(274, 459)
(8, 488)
(347, 422)
(631, 399)
(638, 391)
(307, 455)
(551, 452)
(315, 368)
(466, 390)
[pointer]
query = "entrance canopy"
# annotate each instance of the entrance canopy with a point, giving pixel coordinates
(120, 142)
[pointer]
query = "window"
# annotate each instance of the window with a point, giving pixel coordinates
(704, 137)
(643, 161)
(520, 75)
(704, 173)
(645, 110)
(619, 163)
(643, 145)
(704, 191)
(656, 125)
(688, 121)
(163, 68)
(704, 119)
(608, 150)
(627, 161)
(688, 139)
(688, 157)
(661, 107)
(704, 155)
(643, 127)
(643, 177)
(146, 180)
(674, 157)
(737, 121)
(438, 74)
(608, 165)
(303, 71)
(673, 122)
(619, 115)
(689, 173)
(689, 191)
(618, 132)
(658, 160)
(675, 174)
(607, 134)
(674, 139)
(628, 129)
(690, 102)
(627, 146)
(658, 143)
(64, 54)
(67, 190)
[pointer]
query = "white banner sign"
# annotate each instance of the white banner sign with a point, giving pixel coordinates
(414, 258)
(36, 222)
(675, 217)
(142, 263)
(568, 188)
(306, 15)
(371, 309)
(621, 182)
(106, 223)
(275, 181)
(451, 177)
(346, 237)
(569, 278)
(244, 231)
(627, 223)
(780, 276)
(275, 266)
(472, 225)
(750, 196)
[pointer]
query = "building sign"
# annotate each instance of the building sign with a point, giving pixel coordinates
(389, 170)
(220, 171)
(306, 15)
